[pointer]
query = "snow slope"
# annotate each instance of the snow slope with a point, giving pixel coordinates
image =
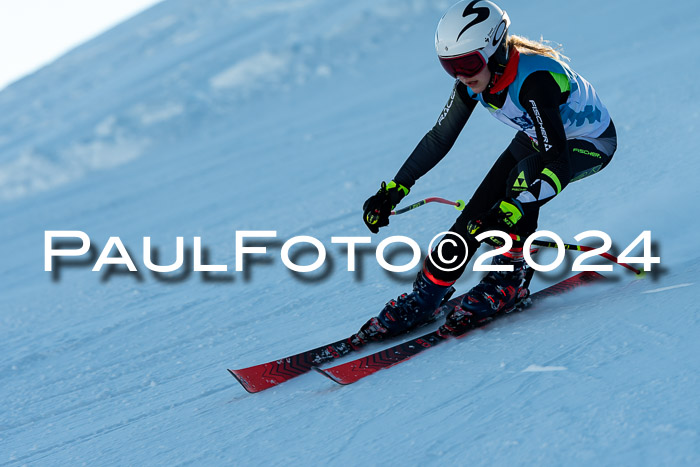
(203, 120)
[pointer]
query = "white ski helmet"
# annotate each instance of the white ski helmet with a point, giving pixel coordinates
(469, 34)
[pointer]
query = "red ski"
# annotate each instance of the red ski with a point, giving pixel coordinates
(259, 377)
(355, 370)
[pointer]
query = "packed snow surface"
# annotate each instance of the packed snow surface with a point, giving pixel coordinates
(201, 119)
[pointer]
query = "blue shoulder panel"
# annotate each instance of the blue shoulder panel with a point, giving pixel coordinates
(529, 64)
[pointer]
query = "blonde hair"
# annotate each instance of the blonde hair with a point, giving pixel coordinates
(541, 47)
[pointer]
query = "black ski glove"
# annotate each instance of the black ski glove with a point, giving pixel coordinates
(502, 216)
(378, 207)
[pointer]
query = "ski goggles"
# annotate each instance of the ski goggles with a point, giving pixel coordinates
(468, 65)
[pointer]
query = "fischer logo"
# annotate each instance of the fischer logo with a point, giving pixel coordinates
(588, 153)
(538, 117)
(444, 112)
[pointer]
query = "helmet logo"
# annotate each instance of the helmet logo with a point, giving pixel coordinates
(500, 31)
(482, 13)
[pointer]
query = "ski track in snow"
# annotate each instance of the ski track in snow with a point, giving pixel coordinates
(203, 119)
(670, 287)
(543, 369)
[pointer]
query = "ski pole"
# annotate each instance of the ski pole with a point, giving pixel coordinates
(568, 246)
(459, 204)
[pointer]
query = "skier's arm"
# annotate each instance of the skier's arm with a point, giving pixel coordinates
(541, 96)
(440, 139)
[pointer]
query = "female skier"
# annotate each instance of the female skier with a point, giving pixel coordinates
(564, 134)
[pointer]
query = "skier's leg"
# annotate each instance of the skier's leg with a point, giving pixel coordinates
(590, 156)
(437, 276)
(501, 291)
(587, 156)
(448, 260)
(458, 244)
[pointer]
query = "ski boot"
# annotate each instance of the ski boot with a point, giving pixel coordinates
(408, 311)
(498, 292)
